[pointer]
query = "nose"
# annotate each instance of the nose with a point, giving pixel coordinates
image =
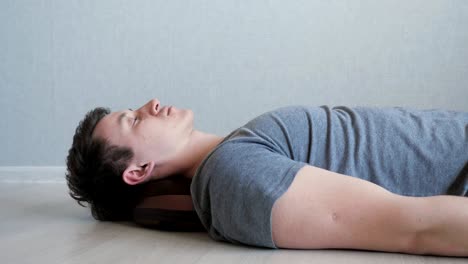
(152, 107)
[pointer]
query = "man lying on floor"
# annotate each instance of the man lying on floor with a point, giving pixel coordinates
(386, 179)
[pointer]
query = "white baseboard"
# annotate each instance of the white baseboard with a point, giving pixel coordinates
(28, 174)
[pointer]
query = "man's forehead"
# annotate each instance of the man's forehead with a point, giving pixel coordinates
(108, 122)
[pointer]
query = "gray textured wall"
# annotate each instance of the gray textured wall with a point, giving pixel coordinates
(227, 60)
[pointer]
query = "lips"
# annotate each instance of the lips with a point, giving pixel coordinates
(166, 110)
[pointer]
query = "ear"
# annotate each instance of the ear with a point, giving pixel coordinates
(135, 174)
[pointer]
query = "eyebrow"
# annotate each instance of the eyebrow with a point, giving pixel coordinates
(121, 117)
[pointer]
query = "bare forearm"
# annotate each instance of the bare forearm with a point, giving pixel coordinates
(442, 224)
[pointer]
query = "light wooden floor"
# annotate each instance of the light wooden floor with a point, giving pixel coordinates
(40, 223)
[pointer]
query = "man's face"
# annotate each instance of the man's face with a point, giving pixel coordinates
(153, 132)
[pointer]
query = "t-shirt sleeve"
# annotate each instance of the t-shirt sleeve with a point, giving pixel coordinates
(236, 189)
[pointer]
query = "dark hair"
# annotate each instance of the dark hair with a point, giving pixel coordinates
(94, 172)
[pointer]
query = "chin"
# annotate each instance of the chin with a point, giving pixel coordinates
(191, 114)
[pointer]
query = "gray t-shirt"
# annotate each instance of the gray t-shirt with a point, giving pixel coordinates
(407, 151)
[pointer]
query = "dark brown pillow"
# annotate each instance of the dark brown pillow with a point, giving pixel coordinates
(167, 205)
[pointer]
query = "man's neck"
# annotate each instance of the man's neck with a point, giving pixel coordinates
(201, 144)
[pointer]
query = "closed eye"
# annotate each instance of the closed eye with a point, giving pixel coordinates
(134, 119)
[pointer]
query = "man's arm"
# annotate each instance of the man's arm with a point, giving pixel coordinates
(323, 209)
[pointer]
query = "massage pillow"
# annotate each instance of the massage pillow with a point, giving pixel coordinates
(166, 204)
